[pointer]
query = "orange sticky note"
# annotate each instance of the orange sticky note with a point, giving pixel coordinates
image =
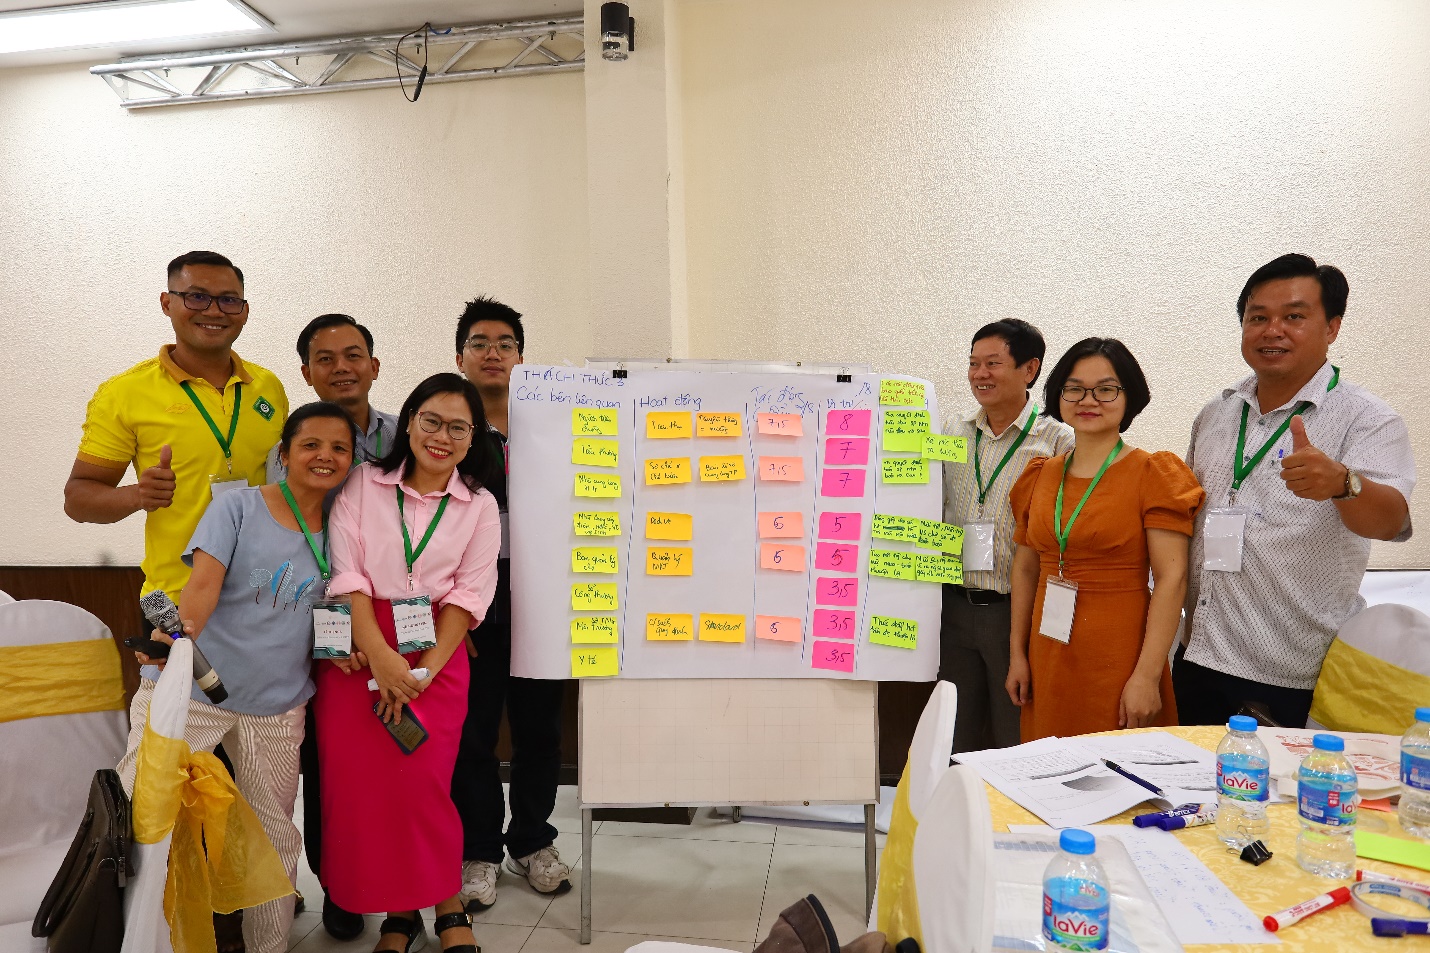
(674, 627)
(781, 425)
(669, 561)
(788, 469)
(782, 556)
(667, 470)
(667, 525)
(717, 425)
(715, 627)
(663, 424)
(722, 469)
(781, 525)
(778, 628)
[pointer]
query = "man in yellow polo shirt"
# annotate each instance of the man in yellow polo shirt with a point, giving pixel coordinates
(194, 422)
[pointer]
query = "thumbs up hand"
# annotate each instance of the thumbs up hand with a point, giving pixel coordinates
(1308, 472)
(156, 484)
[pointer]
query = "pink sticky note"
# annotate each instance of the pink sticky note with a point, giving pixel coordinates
(779, 628)
(841, 557)
(847, 423)
(835, 591)
(782, 556)
(833, 656)
(840, 525)
(788, 469)
(842, 482)
(781, 525)
(846, 451)
(780, 425)
(833, 624)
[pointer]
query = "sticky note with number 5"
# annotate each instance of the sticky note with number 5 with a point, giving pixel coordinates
(602, 662)
(833, 656)
(782, 556)
(834, 591)
(841, 557)
(842, 482)
(778, 628)
(840, 525)
(788, 469)
(781, 525)
(833, 624)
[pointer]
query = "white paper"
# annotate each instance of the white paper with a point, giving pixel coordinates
(1199, 907)
(1376, 758)
(1059, 604)
(978, 545)
(1222, 535)
(1186, 772)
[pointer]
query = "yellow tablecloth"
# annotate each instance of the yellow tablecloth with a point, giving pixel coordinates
(1275, 885)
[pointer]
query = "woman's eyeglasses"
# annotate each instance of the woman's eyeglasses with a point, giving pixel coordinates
(456, 429)
(1102, 393)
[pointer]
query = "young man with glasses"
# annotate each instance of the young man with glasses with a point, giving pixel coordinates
(1003, 432)
(490, 341)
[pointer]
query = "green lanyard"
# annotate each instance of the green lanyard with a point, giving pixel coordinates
(426, 537)
(321, 557)
(1063, 532)
(978, 468)
(1241, 467)
(225, 444)
(379, 439)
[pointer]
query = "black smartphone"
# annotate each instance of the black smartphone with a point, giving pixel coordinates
(150, 647)
(409, 734)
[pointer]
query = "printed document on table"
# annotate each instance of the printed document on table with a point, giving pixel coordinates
(1185, 771)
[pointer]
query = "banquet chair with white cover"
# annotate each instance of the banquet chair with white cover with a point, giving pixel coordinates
(1376, 672)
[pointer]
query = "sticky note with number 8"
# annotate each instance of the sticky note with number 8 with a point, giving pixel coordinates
(783, 556)
(778, 628)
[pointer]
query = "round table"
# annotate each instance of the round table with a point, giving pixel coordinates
(1275, 885)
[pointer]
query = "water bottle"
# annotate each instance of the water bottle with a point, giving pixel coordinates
(1414, 808)
(1076, 899)
(1243, 774)
(1326, 799)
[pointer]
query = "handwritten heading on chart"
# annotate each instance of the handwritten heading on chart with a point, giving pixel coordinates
(599, 523)
(667, 424)
(664, 470)
(594, 596)
(899, 633)
(783, 556)
(717, 425)
(780, 425)
(897, 393)
(778, 628)
(718, 627)
(788, 525)
(599, 662)
(669, 627)
(595, 630)
(669, 561)
(595, 452)
(832, 656)
(840, 525)
(668, 526)
(594, 423)
(594, 559)
(598, 485)
(722, 469)
(847, 423)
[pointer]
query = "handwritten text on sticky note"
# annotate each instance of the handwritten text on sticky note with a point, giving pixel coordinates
(904, 470)
(597, 524)
(833, 624)
(666, 424)
(940, 536)
(938, 569)
(598, 485)
(674, 627)
(840, 525)
(594, 452)
(594, 423)
(840, 557)
(839, 482)
(717, 425)
(901, 393)
(719, 627)
(667, 470)
(847, 423)
(900, 633)
(904, 528)
(780, 425)
(722, 469)
(599, 662)
(594, 596)
(778, 628)
(904, 430)
(846, 451)
(783, 556)
(667, 525)
(594, 559)
(781, 525)
(787, 469)
(669, 561)
(595, 630)
(835, 591)
(832, 656)
(891, 564)
(943, 447)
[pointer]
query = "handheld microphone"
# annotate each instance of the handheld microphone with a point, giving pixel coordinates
(161, 612)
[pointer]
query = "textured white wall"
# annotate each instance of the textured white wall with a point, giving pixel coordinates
(355, 202)
(877, 181)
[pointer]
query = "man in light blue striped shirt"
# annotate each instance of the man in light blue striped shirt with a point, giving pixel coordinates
(1004, 432)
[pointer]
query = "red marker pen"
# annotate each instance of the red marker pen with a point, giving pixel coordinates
(1303, 910)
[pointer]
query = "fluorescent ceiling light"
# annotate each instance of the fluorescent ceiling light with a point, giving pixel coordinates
(116, 22)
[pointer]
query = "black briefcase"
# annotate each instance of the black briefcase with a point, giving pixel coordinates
(83, 911)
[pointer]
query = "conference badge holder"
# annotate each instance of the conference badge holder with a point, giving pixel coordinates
(412, 618)
(333, 628)
(1223, 537)
(221, 483)
(978, 546)
(1059, 600)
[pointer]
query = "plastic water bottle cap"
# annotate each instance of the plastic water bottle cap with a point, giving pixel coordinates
(1242, 723)
(1077, 842)
(1422, 714)
(1328, 743)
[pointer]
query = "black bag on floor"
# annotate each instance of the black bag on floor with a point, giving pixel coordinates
(83, 911)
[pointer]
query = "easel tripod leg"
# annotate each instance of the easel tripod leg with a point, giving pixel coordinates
(871, 860)
(586, 875)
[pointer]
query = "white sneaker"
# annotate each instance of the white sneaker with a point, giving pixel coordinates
(479, 885)
(543, 870)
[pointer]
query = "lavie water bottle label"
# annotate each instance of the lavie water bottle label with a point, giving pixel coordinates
(1242, 782)
(1414, 772)
(1076, 928)
(1326, 805)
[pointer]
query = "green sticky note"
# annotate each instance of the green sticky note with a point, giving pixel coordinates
(939, 446)
(891, 564)
(904, 430)
(938, 569)
(887, 630)
(1394, 850)
(905, 469)
(905, 528)
(901, 393)
(940, 536)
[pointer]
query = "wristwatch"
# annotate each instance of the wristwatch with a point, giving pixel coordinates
(1353, 486)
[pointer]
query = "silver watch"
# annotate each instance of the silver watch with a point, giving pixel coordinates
(1353, 486)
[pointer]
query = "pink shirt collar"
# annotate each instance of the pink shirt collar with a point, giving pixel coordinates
(456, 486)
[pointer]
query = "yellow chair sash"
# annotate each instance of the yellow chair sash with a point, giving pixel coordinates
(220, 860)
(61, 678)
(898, 900)
(1359, 692)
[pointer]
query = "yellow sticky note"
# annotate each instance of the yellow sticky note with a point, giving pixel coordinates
(669, 561)
(667, 424)
(595, 597)
(593, 423)
(669, 627)
(667, 470)
(597, 524)
(722, 628)
(888, 630)
(598, 485)
(595, 630)
(721, 469)
(939, 446)
(904, 470)
(667, 526)
(717, 425)
(594, 559)
(594, 452)
(600, 662)
(901, 393)
(941, 536)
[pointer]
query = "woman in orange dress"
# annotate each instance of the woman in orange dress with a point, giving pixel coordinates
(1089, 643)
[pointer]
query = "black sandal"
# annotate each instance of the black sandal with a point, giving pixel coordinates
(448, 921)
(402, 926)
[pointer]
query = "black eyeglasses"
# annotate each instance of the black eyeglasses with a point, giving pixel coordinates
(198, 301)
(1102, 393)
(456, 429)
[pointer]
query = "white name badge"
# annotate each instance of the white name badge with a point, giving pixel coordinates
(412, 618)
(978, 539)
(1059, 600)
(1223, 537)
(219, 485)
(332, 629)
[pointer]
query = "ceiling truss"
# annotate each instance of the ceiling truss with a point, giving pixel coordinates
(477, 51)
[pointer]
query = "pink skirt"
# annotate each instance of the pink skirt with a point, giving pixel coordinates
(392, 839)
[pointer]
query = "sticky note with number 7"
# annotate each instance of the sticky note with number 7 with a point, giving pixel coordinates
(782, 525)
(834, 591)
(833, 656)
(842, 482)
(846, 451)
(841, 557)
(782, 556)
(778, 628)
(833, 624)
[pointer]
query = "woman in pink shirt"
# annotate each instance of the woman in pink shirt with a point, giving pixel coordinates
(415, 540)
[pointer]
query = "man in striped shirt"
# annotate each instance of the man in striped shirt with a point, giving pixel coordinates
(1004, 432)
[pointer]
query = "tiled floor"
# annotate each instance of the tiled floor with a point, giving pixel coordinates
(713, 883)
